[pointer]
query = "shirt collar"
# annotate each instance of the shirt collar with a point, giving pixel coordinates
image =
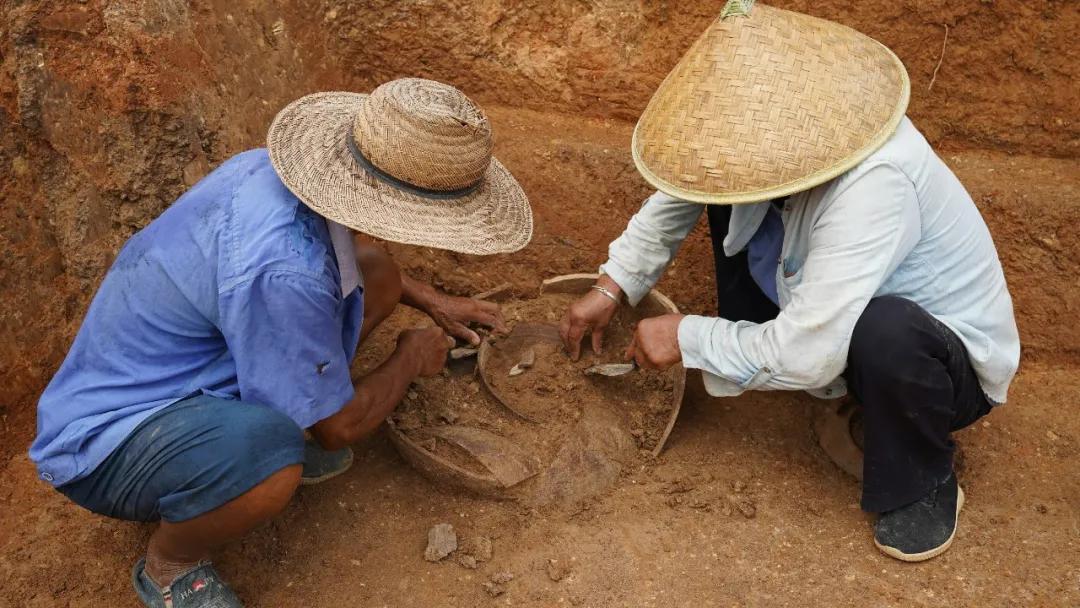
(345, 252)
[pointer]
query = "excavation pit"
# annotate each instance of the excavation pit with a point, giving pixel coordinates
(529, 424)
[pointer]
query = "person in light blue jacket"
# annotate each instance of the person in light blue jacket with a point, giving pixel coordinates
(848, 257)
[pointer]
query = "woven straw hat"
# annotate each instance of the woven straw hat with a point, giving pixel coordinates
(768, 103)
(410, 163)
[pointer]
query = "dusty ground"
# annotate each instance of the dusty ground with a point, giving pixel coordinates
(109, 109)
(742, 509)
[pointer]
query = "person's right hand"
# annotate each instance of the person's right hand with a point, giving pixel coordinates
(592, 312)
(428, 347)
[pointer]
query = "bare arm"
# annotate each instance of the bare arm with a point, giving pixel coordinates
(451, 313)
(420, 352)
(416, 294)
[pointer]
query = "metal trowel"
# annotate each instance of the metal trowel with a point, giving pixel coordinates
(611, 369)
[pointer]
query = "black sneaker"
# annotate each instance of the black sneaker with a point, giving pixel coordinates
(923, 529)
(320, 465)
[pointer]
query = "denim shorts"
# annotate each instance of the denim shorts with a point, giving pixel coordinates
(188, 459)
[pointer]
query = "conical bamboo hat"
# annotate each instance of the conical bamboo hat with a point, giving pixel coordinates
(768, 103)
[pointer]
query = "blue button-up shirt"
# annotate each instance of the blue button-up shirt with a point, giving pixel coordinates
(235, 290)
(763, 252)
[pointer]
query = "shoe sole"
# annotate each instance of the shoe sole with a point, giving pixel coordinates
(936, 551)
(310, 481)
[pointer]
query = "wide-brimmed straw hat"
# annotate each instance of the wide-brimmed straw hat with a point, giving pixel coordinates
(768, 103)
(409, 163)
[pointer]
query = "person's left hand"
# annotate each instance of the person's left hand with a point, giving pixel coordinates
(454, 314)
(656, 342)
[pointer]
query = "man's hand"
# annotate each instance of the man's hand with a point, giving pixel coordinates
(454, 315)
(592, 312)
(451, 313)
(420, 352)
(428, 347)
(656, 342)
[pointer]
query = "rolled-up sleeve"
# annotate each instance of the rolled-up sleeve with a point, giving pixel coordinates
(855, 244)
(638, 258)
(284, 331)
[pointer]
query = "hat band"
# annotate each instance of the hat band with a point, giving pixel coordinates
(390, 180)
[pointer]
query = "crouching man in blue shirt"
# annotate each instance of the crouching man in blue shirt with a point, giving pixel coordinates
(226, 327)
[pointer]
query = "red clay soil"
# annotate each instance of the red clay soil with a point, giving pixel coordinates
(109, 110)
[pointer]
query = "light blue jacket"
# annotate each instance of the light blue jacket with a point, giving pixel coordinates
(899, 223)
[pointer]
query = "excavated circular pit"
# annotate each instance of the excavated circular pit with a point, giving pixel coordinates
(529, 424)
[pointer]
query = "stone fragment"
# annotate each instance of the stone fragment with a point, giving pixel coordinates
(744, 505)
(496, 586)
(479, 547)
(442, 541)
(493, 589)
(557, 570)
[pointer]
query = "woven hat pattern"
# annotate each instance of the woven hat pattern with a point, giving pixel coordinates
(767, 104)
(425, 133)
(309, 149)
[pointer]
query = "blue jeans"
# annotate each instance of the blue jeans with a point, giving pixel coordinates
(188, 459)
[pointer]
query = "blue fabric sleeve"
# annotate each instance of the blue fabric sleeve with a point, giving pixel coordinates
(283, 329)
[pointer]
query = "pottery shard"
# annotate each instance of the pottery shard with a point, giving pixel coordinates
(442, 541)
(527, 361)
(462, 353)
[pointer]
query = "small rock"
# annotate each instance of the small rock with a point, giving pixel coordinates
(411, 395)
(442, 541)
(447, 415)
(556, 570)
(479, 547)
(744, 506)
(501, 578)
(493, 589)
(467, 561)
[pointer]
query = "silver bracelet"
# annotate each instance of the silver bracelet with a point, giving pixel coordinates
(606, 292)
